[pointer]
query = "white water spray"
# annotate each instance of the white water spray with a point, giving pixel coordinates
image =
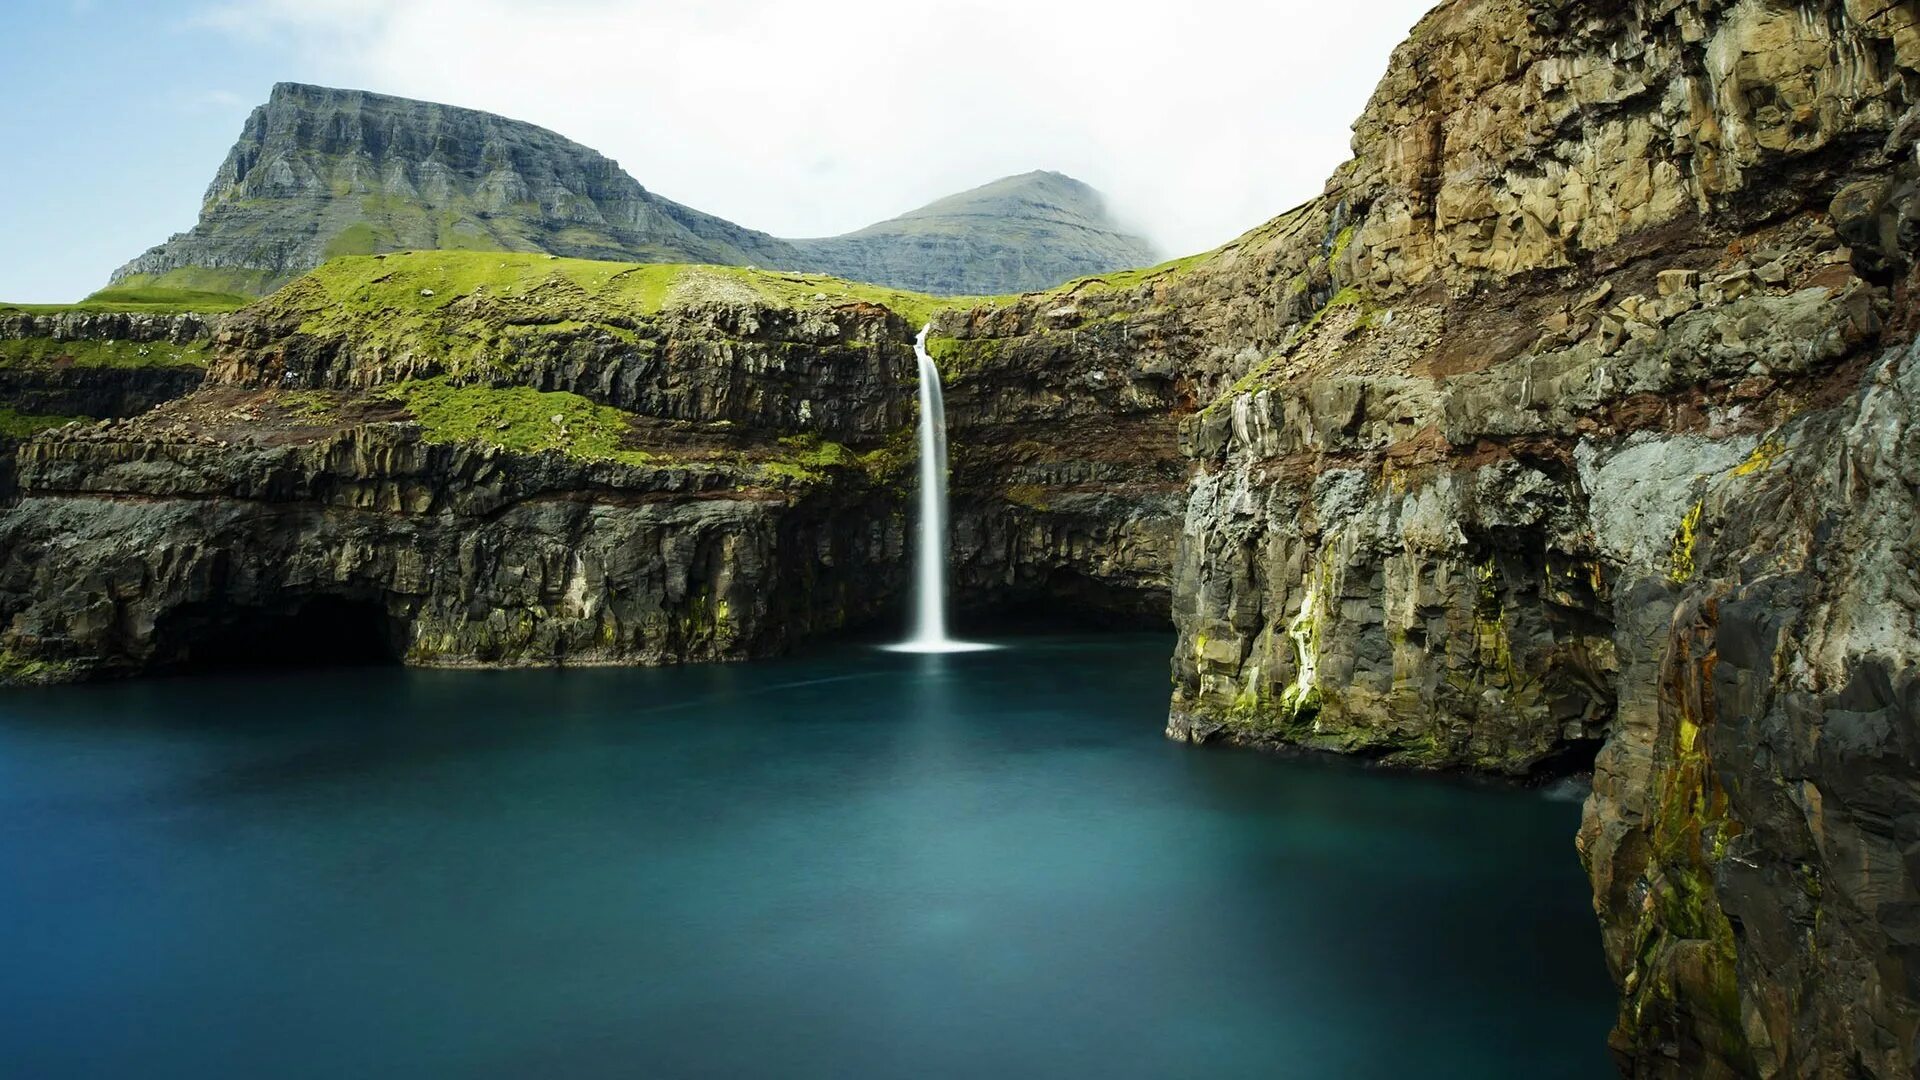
(930, 549)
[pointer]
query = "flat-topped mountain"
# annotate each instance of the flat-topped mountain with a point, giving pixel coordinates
(320, 172)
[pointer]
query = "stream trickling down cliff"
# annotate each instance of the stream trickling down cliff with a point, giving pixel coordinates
(849, 864)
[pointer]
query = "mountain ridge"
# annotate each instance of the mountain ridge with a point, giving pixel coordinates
(1034, 230)
(319, 172)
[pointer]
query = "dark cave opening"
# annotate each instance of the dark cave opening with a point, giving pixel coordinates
(1575, 757)
(318, 631)
(1067, 613)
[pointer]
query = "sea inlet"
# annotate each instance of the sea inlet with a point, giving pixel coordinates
(852, 863)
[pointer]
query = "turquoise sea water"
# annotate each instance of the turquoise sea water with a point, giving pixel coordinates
(850, 864)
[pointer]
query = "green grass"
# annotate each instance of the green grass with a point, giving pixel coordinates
(345, 293)
(956, 357)
(519, 419)
(188, 289)
(19, 425)
(1350, 296)
(476, 315)
(88, 353)
(19, 670)
(808, 459)
(794, 289)
(142, 301)
(1121, 280)
(1341, 243)
(360, 238)
(396, 282)
(313, 405)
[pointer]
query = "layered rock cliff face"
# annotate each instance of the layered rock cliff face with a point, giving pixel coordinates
(477, 458)
(1572, 424)
(1571, 419)
(547, 467)
(319, 172)
(84, 366)
(1752, 828)
(1017, 234)
(230, 525)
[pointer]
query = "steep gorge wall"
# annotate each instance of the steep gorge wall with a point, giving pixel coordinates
(141, 547)
(1601, 279)
(492, 479)
(1067, 479)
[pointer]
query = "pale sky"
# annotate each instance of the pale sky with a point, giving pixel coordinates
(1198, 120)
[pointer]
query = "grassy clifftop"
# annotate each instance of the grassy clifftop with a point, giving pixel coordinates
(89, 353)
(426, 284)
(141, 300)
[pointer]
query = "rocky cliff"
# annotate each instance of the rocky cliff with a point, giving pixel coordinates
(1571, 426)
(1567, 427)
(83, 366)
(1568, 421)
(320, 172)
(528, 460)
(479, 458)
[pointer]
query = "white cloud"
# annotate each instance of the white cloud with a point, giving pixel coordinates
(1199, 120)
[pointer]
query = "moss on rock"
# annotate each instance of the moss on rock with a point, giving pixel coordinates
(18, 425)
(518, 419)
(35, 352)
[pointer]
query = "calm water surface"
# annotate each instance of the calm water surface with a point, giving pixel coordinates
(853, 864)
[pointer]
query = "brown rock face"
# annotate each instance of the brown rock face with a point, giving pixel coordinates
(91, 365)
(1545, 432)
(1067, 478)
(1571, 414)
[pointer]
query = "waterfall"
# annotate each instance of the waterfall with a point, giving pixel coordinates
(930, 545)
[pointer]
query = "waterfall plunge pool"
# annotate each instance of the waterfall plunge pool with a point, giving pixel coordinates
(848, 864)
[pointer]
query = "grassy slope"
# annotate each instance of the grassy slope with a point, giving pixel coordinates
(142, 301)
(519, 419)
(187, 289)
(397, 286)
(195, 290)
(522, 420)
